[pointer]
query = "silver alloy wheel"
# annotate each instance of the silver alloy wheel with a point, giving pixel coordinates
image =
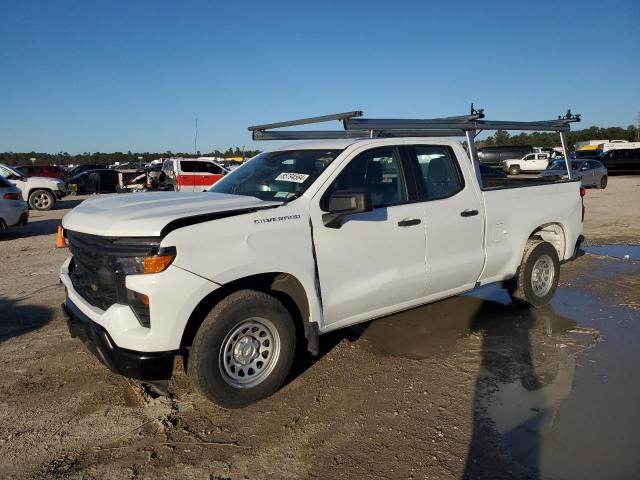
(542, 275)
(42, 201)
(249, 353)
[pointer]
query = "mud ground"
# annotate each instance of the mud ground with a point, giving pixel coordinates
(469, 387)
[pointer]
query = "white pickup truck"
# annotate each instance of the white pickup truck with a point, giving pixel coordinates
(532, 162)
(297, 242)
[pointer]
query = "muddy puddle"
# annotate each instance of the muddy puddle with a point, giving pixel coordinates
(558, 389)
(625, 252)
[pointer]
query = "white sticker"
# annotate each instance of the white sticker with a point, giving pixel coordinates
(292, 177)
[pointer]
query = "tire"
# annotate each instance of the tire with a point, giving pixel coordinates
(514, 170)
(250, 369)
(533, 290)
(603, 182)
(41, 200)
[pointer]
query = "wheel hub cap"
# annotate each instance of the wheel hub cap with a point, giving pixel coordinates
(249, 353)
(246, 350)
(542, 276)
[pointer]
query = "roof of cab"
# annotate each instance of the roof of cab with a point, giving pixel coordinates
(342, 143)
(333, 144)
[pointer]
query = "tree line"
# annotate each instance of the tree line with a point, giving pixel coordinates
(552, 139)
(501, 137)
(64, 158)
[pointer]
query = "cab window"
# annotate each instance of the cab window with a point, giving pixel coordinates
(377, 171)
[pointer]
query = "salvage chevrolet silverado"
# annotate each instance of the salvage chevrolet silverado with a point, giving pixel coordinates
(303, 240)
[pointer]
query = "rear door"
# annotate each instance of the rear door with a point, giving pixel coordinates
(454, 222)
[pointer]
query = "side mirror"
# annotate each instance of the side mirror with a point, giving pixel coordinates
(346, 202)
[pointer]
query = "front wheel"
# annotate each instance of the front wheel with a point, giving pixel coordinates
(41, 200)
(603, 182)
(537, 278)
(514, 170)
(243, 350)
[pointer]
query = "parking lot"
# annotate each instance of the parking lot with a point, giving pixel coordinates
(468, 387)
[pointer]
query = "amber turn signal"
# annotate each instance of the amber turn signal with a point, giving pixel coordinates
(158, 263)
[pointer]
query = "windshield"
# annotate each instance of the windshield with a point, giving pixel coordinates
(282, 175)
(560, 165)
(6, 170)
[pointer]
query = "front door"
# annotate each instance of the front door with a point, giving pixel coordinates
(375, 262)
(454, 220)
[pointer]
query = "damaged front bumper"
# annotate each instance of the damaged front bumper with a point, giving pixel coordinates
(148, 366)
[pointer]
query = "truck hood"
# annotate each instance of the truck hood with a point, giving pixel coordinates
(146, 214)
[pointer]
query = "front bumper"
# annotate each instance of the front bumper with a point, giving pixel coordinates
(149, 366)
(59, 194)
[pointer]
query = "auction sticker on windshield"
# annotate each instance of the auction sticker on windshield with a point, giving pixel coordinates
(292, 177)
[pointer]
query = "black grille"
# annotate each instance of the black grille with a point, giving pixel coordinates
(93, 269)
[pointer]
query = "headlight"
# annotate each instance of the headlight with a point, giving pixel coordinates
(150, 264)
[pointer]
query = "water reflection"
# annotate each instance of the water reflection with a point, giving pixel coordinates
(527, 368)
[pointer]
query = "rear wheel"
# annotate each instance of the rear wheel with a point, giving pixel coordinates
(41, 200)
(514, 170)
(537, 278)
(603, 182)
(243, 350)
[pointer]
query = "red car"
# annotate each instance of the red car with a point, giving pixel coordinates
(50, 171)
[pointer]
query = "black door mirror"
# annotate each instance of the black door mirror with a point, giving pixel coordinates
(346, 202)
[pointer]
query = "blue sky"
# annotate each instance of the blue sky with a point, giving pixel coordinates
(133, 75)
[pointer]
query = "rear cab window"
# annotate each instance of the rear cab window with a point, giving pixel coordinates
(438, 173)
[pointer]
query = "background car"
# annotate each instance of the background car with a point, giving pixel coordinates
(49, 171)
(591, 172)
(579, 154)
(192, 174)
(83, 183)
(83, 168)
(622, 160)
(495, 155)
(40, 192)
(13, 210)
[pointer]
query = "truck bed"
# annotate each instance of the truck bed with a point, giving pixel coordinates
(513, 182)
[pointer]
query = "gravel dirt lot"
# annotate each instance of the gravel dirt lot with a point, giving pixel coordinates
(469, 387)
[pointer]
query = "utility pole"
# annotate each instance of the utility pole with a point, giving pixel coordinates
(195, 140)
(638, 129)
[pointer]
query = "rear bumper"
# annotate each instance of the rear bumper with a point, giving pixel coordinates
(16, 213)
(147, 366)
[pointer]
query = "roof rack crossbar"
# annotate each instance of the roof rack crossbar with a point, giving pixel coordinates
(306, 121)
(337, 134)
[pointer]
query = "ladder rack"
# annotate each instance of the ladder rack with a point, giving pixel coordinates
(468, 126)
(356, 127)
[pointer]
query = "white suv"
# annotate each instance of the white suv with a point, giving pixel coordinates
(41, 193)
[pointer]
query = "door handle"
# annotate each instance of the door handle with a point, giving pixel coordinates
(468, 213)
(407, 222)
